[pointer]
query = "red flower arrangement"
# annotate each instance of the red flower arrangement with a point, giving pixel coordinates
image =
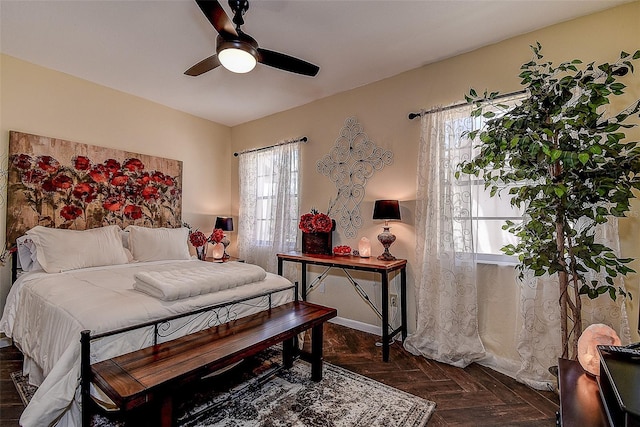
(315, 222)
(197, 238)
(217, 235)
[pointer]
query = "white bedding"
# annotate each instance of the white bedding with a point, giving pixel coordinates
(188, 282)
(45, 313)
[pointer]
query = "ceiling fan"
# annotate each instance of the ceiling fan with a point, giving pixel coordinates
(236, 50)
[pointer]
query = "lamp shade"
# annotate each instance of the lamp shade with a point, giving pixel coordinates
(386, 209)
(224, 223)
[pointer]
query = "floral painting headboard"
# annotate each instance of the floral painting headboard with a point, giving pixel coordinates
(63, 184)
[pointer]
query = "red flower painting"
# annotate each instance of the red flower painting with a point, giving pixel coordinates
(113, 203)
(81, 163)
(85, 192)
(133, 165)
(133, 212)
(110, 189)
(70, 212)
(22, 161)
(48, 164)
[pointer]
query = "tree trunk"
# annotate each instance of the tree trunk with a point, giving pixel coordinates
(563, 283)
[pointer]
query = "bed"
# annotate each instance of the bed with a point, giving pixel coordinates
(107, 275)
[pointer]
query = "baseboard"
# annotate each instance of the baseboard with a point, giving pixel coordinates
(358, 326)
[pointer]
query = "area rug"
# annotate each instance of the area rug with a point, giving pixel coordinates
(261, 393)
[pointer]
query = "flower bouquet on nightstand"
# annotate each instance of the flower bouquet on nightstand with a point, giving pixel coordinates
(199, 241)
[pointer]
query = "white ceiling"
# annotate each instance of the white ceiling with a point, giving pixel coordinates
(143, 47)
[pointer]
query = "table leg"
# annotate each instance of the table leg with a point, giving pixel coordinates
(385, 316)
(304, 280)
(403, 301)
(316, 352)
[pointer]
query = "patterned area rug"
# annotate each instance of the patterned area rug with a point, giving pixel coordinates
(260, 393)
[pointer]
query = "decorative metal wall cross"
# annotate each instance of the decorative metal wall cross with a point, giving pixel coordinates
(349, 164)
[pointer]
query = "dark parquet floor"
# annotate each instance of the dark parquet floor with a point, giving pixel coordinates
(474, 396)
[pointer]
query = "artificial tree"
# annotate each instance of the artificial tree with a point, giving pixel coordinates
(567, 163)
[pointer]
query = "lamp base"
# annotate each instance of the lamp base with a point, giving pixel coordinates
(386, 238)
(225, 242)
(386, 256)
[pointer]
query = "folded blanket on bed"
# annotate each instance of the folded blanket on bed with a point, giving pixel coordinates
(184, 283)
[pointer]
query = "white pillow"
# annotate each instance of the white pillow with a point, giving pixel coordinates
(60, 250)
(27, 254)
(157, 244)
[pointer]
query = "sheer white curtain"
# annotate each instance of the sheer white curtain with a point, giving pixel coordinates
(447, 327)
(268, 211)
(539, 341)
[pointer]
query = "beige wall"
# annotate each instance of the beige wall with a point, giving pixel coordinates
(49, 103)
(382, 107)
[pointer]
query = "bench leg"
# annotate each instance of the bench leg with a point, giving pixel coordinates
(166, 411)
(287, 352)
(316, 352)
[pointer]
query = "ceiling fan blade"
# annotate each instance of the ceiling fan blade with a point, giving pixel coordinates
(203, 66)
(286, 62)
(218, 18)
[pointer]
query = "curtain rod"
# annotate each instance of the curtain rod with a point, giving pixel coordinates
(451, 107)
(288, 141)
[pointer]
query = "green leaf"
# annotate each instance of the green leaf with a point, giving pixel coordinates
(595, 149)
(584, 158)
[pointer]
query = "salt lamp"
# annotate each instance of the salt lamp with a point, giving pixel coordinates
(592, 336)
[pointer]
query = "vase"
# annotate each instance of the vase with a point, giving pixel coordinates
(201, 251)
(317, 243)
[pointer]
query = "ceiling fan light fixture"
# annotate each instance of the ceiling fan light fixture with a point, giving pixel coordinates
(237, 56)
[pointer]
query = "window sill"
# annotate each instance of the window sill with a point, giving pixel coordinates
(498, 263)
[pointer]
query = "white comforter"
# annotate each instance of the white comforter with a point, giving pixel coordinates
(45, 313)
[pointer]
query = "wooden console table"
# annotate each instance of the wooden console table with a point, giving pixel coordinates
(349, 262)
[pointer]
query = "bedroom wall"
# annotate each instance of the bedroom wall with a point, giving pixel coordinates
(45, 102)
(381, 108)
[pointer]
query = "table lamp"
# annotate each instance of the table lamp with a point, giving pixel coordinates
(386, 210)
(225, 224)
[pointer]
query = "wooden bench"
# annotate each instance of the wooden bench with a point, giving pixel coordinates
(153, 373)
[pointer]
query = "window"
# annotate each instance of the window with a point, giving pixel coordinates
(268, 210)
(267, 196)
(488, 214)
